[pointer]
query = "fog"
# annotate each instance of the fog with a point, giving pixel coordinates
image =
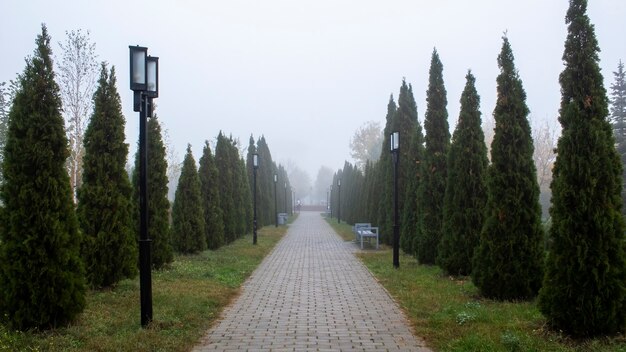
(307, 74)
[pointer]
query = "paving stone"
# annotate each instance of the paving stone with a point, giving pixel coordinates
(312, 293)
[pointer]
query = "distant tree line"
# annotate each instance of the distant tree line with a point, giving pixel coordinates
(476, 216)
(60, 236)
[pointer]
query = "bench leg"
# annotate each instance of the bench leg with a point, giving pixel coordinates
(361, 242)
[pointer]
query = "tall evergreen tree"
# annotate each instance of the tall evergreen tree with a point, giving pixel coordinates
(508, 263)
(384, 180)
(584, 291)
(158, 204)
(265, 184)
(244, 198)
(228, 177)
(187, 216)
(213, 216)
(405, 122)
(433, 183)
(109, 247)
(618, 119)
(42, 282)
(409, 225)
(466, 194)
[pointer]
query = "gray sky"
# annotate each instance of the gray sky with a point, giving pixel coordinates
(307, 74)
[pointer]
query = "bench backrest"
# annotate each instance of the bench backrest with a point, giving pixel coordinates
(362, 225)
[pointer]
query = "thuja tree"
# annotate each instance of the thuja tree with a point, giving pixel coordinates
(508, 263)
(433, 176)
(405, 122)
(109, 247)
(228, 165)
(187, 214)
(383, 183)
(209, 191)
(244, 198)
(158, 204)
(583, 291)
(466, 194)
(42, 282)
(409, 224)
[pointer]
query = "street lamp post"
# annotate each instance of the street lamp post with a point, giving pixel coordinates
(275, 201)
(395, 147)
(255, 166)
(144, 82)
(339, 201)
(285, 197)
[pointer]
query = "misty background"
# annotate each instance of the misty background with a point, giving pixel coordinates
(308, 74)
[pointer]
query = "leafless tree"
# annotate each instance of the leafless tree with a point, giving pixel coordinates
(545, 136)
(77, 74)
(174, 164)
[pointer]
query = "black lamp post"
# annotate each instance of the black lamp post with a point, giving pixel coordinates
(275, 201)
(144, 82)
(339, 201)
(255, 166)
(395, 147)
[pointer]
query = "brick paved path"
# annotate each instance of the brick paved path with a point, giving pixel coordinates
(312, 294)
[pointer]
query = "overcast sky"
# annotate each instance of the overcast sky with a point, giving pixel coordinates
(307, 74)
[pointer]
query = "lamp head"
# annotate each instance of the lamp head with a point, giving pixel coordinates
(138, 69)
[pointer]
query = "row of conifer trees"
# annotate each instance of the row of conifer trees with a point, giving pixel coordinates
(480, 217)
(52, 250)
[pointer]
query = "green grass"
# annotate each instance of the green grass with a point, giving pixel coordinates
(187, 298)
(451, 316)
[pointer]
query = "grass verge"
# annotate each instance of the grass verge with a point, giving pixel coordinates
(188, 296)
(451, 316)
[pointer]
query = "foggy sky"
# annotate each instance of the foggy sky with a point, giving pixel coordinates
(307, 74)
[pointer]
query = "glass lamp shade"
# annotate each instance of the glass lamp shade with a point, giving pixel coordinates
(138, 74)
(395, 141)
(152, 66)
(339, 182)
(275, 178)
(255, 160)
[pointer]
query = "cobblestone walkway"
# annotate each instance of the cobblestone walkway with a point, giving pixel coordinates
(312, 294)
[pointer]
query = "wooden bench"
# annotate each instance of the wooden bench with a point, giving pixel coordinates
(365, 230)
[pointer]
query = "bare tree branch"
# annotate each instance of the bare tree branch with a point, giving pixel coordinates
(77, 74)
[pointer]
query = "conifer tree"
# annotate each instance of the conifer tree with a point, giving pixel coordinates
(384, 179)
(158, 204)
(213, 216)
(227, 180)
(618, 119)
(466, 194)
(410, 221)
(42, 282)
(583, 291)
(109, 247)
(432, 185)
(265, 184)
(405, 122)
(188, 231)
(244, 198)
(508, 264)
